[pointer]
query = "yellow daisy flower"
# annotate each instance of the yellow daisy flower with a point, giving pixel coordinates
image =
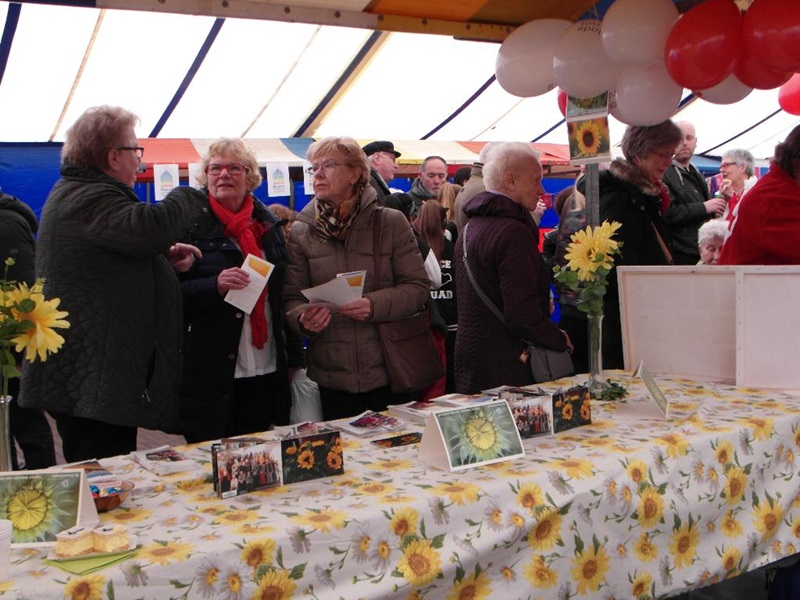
(651, 507)
(547, 531)
(591, 249)
(88, 587)
(539, 574)
(258, 552)
(322, 520)
(683, 545)
(41, 339)
(404, 522)
(165, 553)
(458, 492)
(275, 585)
(471, 588)
(589, 569)
(420, 563)
(530, 495)
(642, 585)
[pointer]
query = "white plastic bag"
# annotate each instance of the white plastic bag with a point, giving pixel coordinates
(305, 399)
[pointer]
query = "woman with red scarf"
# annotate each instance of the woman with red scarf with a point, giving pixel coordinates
(236, 365)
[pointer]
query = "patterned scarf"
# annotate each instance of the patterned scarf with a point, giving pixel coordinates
(334, 222)
(248, 233)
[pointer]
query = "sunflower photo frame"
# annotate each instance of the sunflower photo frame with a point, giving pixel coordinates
(463, 438)
(587, 129)
(44, 503)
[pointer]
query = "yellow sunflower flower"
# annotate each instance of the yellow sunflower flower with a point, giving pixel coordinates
(724, 453)
(731, 558)
(642, 585)
(420, 563)
(577, 468)
(258, 552)
(730, 526)
(474, 587)
(644, 549)
(166, 553)
(530, 495)
(404, 522)
(306, 460)
(588, 137)
(637, 470)
(88, 587)
(458, 492)
(683, 545)
(41, 339)
(766, 518)
(322, 520)
(651, 507)
(539, 574)
(589, 569)
(735, 485)
(546, 533)
(275, 585)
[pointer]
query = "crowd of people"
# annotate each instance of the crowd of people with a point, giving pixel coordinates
(153, 343)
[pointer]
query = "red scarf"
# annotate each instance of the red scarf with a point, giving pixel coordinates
(663, 194)
(248, 233)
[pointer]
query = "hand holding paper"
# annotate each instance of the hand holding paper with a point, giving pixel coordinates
(244, 286)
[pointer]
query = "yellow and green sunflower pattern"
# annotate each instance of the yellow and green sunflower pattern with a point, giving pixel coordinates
(615, 509)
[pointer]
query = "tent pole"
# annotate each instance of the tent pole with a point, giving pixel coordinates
(592, 189)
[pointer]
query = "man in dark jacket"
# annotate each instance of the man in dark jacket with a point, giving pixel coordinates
(500, 242)
(111, 259)
(29, 427)
(383, 166)
(432, 175)
(691, 204)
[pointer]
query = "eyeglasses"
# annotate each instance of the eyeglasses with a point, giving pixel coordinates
(664, 155)
(138, 149)
(232, 169)
(727, 164)
(326, 166)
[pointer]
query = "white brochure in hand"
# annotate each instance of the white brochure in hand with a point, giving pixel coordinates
(337, 292)
(259, 271)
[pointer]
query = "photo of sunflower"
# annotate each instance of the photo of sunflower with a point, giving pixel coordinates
(40, 506)
(479, 434)
(312, 456)
(589, 140)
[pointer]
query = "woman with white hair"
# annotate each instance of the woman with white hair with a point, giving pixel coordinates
(710, 238)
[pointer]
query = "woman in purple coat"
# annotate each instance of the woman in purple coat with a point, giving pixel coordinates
(502, 249)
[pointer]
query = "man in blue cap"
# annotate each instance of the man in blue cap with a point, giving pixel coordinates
(383, 166)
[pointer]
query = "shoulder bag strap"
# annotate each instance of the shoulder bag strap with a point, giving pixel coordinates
(491, 305)
(376, 246)
(664, 248)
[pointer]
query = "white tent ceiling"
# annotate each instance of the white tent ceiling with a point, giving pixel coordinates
(268, 79)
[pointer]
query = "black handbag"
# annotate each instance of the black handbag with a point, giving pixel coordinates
(546, 364)
(411, 358)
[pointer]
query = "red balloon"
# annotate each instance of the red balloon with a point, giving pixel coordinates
(752, 72)
(562, 101)
(704, 45)
(771, 33)
(789, 95)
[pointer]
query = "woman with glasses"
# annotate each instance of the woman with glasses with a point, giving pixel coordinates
(633, 194)
(334, 234)
(236, 365)
(110, 258)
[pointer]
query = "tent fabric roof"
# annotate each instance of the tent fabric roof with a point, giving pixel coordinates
(204, 76)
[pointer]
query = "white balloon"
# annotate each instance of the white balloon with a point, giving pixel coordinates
(645, 95)
(582, 68)
(524, 64)
(730, 91)
(634, 32)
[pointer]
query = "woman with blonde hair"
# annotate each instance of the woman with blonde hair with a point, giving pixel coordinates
(447, 199)
(337, 233)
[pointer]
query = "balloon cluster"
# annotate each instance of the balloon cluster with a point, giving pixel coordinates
(644, 54)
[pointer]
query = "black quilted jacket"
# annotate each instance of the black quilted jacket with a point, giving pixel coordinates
(102, 252)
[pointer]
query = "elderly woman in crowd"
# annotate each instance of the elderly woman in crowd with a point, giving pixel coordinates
(766, 229)
(501, 242)
(110, 258)
(710, 238)
(334, 234)
(738, 176)
(632, 193)
(235, 377)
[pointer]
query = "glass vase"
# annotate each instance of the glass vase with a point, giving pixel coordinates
(596, 383)
(5, 434)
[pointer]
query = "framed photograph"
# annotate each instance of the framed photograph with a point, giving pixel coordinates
(571, 408)
(533, 415)
(247, 469)
(42, 504)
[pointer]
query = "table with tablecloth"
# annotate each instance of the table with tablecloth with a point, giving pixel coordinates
(616, 509)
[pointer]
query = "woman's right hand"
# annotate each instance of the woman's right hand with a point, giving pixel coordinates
(315, 319)
(232, 279)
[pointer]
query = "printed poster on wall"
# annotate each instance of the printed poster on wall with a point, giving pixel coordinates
(165, 179)
(194, 171)
(308, 179)
(278, 181)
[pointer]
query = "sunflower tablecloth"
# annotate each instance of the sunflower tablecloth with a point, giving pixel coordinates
(616, 509)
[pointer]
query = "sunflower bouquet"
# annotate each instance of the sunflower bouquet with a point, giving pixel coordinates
(590, 258)
(27, 324)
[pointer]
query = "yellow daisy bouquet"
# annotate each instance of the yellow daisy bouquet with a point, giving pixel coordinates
(590, 258)
(27, 324)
